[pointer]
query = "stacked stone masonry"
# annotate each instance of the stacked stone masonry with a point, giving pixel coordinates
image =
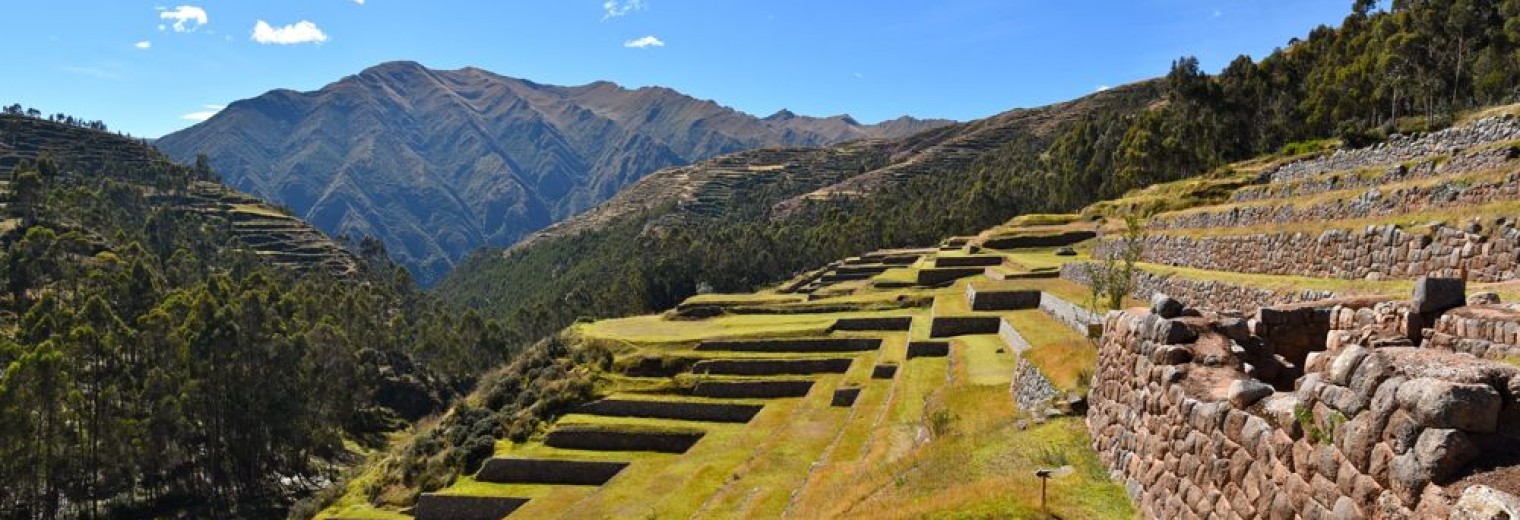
(1215, 294)
(1374, 202)
(1375, 429)
(1463, 147)
(1373, 253)
(1486, 331)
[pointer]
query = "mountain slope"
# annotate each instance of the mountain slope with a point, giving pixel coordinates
(438, 163)
(172, 348)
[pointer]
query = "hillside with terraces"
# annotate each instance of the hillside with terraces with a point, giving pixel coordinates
(264, 230)
(911, 383)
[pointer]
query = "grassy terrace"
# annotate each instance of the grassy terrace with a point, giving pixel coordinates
(1329, 197)
(1065, 356)
(940, 437)
(1406, 220)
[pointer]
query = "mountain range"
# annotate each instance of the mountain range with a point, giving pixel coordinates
(436, 164)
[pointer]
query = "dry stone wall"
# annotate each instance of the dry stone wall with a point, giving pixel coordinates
(1373, 430)
(1486, 331)
(1399, 150)
(1372, 253)
(1375, 202)
(1214, 294)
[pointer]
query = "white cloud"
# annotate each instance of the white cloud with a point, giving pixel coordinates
(299, 32)
(210, 110)
(644, 43)
(145, 44)
(186, 18)
(360, 2)
(1218, 13)
(1102, 88)
(614, 8)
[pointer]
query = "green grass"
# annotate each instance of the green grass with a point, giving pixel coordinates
(981, 361)
(1063, 355)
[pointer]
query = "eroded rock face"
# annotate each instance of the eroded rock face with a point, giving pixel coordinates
(1374, 428)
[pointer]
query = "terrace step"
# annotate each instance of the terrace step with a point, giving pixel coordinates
(610, 438)
(674, 410)
(761, 389)
(793, 345)
(772, 367)
(432, 506)
(548, 471)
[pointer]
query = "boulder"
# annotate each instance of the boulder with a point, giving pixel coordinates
(1166, 306)
(1444, 452)
(1442, 404)
(1483, 298)
(1066, 251)
(1439, 294)
(1176, 333)
(1173, 355)
(1246, 392)
(1484, 503)
(1237, 329)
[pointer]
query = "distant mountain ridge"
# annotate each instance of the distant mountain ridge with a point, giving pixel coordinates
(439, 163)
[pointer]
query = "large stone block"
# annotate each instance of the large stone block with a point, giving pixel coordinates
(1433, 295)
(1441, 404)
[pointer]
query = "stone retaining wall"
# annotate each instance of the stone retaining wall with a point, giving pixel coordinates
(942, 275)
(918, 349)
(947, 326)
(432, 506)
(1372, 431)
(1012, 338)
(1485, 331)
(1039, 241)
(1032, 391)
(1219, 295)
(845, 397)
(1085, 322)
(677, 410)
(893, 323)
(1398, 150)
(1374, 202)
(1374, 253)
(793, 345)
(968, 261)
(604, 439)
(752, 389)
(996, 300)
(772, 367)
(549, 471)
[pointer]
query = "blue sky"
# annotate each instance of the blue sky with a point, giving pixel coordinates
(150, 68)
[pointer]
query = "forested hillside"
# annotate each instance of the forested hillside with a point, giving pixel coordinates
(171, 348)
(1410, 67)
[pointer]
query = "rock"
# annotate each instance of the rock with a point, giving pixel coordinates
(1166, 306)
(1246, 392)
(1442, 404)
(1483, 298)
(1443, 452)
(1235, 328)
(1485, 503)
(1439, 294)
(1176, 333)
(1066, 251)
(1345, 364)
(1173, 355)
